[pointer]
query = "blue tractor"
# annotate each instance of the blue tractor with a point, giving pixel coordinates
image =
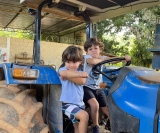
(133, 96)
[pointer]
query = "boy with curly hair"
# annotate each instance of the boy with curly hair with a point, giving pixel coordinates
(93, 94)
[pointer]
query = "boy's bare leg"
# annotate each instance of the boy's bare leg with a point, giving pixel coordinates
(83, 117)
(105, 111)
(94, 110)
(76, 127)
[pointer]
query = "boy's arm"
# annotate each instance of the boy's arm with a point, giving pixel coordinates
(79, 81)
(74, 76)
(94, 61)
(127, 58)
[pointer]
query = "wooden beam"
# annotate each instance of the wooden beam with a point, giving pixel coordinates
(63, 14)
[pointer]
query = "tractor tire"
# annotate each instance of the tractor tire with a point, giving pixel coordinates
(19, 110)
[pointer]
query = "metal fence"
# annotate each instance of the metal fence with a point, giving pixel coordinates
(44, 37)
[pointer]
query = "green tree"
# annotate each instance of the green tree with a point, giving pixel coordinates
(141, 24)
(17, 34)
(141, 55)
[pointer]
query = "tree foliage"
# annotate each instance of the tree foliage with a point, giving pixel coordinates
(141, 25)
(141, 56)
(17, 34)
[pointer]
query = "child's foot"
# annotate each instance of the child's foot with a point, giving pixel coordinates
(95, 129)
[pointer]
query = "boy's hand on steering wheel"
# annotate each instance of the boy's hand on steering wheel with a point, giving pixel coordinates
(127, 57)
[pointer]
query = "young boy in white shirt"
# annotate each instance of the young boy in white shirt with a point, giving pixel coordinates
(93, 94)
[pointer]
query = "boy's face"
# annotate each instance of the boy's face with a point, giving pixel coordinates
(70, 65)
(94, 51)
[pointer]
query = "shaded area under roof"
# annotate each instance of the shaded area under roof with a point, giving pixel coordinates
(15, 15)
(102, 4)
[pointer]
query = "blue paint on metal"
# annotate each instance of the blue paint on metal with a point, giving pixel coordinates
(89, 25)
(156, 49)
(158, 124)
(47, 75)
(157, 38)
(138, 99)
(106, 71)
(156, 61)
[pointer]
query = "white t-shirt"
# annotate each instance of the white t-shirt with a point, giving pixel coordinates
(94, 79)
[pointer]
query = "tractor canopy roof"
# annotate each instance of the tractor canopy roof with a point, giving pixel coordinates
(64, 15)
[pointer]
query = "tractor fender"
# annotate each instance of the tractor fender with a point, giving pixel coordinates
(47, 74)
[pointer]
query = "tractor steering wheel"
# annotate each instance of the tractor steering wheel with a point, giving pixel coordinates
(96, 69)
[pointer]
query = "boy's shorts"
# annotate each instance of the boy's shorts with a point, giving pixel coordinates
(71, 110)
(98, 94)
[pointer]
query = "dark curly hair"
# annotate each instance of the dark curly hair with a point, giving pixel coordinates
(93, 41)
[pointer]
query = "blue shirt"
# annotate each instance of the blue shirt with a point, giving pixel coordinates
(71, 92)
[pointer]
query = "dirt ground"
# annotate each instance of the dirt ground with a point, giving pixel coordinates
(102, 130)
